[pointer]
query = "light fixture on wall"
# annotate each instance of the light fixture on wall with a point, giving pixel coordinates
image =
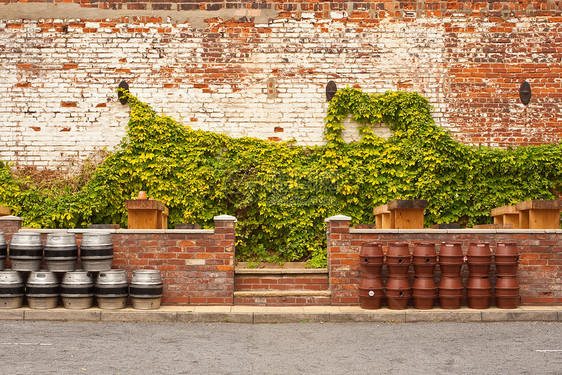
(331, 90)
(123, 86)
(525, 92)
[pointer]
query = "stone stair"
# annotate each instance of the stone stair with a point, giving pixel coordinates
(281, 285)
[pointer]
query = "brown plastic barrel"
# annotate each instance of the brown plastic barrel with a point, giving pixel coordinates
(507, 259)
(507, 292)
(371, 293)
(450, 292)
(478, 292)
(424, 292)
(398, 259)
(371, 259)
(450, 259)
(397, 293)
(424, 259)
(479, 258)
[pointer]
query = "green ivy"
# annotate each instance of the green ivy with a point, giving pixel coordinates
(281, 192)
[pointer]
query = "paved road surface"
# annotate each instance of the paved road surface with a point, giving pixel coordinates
(352, 348)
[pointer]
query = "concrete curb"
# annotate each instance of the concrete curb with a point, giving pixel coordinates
(275, 315)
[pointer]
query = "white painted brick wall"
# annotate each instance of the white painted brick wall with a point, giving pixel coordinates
(214, 84)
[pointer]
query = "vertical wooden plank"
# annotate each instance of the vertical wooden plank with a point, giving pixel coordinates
(511, 219)
(524, 219)
(378, 221)
(544, 219)
(142, 219)
(408, 218)
(386, 224)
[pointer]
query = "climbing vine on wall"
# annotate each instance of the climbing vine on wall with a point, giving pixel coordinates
(281, 192)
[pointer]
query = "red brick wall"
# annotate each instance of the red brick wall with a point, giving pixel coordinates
(197, 269)
(281, 282)
(9, 225)
(539, 272)
(197, 266)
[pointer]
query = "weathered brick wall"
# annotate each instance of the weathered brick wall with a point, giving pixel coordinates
(539, 272)
(10, 225)
(250, 68)
(197, 266)
(281, 282)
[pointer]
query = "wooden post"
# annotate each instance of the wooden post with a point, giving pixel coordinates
(407, 214)
(508, 216)
(382, 217)
(147, 214)
(539, 214)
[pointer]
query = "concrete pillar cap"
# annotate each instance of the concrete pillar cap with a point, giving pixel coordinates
(10, 218)
(224, 218)
(338, 218)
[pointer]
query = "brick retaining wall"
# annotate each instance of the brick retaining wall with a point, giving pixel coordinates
(539, 272)
(198, 265)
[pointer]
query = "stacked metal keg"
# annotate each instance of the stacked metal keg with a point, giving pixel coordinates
(77, 287)
(3, 251)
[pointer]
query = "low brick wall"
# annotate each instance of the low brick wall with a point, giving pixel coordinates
(285, 287)
(197, 266)
(281, 282)
(539, 273)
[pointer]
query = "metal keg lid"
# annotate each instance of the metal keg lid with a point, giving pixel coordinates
(96, 239)
(26, 239)
(78, 277)
(146, 277)
(42, 278)
(112, 277)
(61, 240)
(10, 277)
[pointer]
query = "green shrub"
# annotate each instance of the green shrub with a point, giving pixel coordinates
(281, 192)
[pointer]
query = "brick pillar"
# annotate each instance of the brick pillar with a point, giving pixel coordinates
(10, 225)
(223, 260)
(343, 262)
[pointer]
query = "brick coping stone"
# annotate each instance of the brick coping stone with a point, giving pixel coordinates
(273, 315)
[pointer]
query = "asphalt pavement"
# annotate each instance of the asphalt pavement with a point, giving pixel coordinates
(41, 347)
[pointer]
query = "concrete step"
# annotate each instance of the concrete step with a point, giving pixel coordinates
(282, 298)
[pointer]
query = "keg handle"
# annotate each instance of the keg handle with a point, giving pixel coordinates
(41, 275)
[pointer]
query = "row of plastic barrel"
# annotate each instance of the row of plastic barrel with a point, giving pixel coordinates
(78, 289)
(398, 291)
(26, 251)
